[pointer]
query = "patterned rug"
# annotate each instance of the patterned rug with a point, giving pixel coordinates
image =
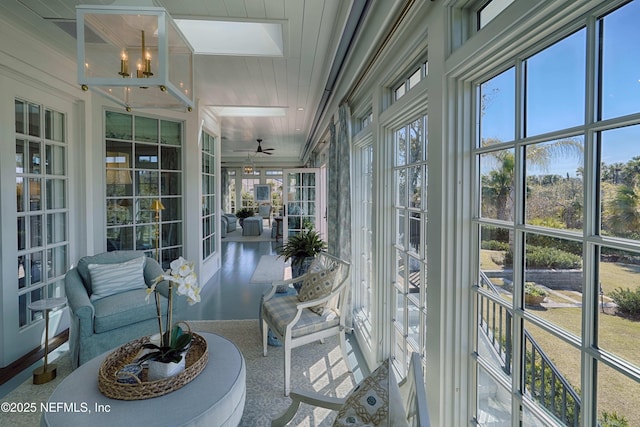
(315, 367)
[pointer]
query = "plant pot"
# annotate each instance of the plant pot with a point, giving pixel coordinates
(299, 268)
(159, 370)
(533, 299)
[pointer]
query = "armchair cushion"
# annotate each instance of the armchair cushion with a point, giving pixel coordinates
(280, 311)
(375, 402)
(110, 279)
(124, 309)
(114, 257)
(317, 285)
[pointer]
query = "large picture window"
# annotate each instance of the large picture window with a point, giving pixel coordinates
(143, 164)
(556, 220)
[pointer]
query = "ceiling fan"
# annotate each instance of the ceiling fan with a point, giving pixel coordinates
(263, 150)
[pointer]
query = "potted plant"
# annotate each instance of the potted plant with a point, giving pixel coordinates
(301, 248)
(244, 213)
(533, 294)
(167, 356)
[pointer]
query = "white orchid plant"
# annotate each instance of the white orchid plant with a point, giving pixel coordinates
(181, 274)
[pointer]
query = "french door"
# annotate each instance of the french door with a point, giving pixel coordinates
(303, 206)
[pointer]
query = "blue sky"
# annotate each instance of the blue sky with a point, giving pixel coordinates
(555, 81)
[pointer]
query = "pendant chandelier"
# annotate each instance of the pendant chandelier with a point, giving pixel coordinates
(135, 56)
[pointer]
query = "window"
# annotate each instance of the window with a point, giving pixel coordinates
(363, 241)
(416, 76)
(274, 179)
(490, 10)
(209, 217)
(143, 164)
(42, 206)
(409, 287)
(556, 213)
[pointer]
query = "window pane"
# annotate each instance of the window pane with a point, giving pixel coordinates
(555, 86)
(401, 146)
(146, 156)
(35, 157)
(620, 35)
(617, 397)
(146, 129)
(401, 188)
(400, 91)
(35, 194)
(495, 334)
(171, 158)
(497, 109)
(170, 133)
(619, 281)
(56, 194)
(491, 10)
(56, 227)
(553, 271)
(147, 183)
(620, 182)
(171, 183)
(20, 194)
(118, 125)
(496, 270)
(20, 119)
(554, 196)
(22, 233)
(416, 142)
(494, 406)
(36, 272)
(497, 178)
(551, 374)
(55, 160)
(414, 79)
(54, 126)
(57, 261)
(34, 120)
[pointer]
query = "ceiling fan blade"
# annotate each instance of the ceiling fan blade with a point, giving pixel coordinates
(268, 149)
(264, 152)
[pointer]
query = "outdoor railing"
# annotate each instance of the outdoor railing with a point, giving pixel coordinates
(544, 382)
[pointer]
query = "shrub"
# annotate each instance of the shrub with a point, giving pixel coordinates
(495, 245)
(612, 420)
(628, 301)
(540, 257)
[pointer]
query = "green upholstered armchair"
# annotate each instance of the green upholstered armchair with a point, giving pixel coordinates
(100, 323)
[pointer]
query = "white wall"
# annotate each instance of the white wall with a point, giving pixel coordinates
(31, 70)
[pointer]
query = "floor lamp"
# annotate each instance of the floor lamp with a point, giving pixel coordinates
(157, 206)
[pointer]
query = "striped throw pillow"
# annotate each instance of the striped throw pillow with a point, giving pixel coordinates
(110, 279)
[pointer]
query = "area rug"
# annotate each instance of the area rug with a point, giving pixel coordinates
(314, 367)
(271, 268)
(236, 236)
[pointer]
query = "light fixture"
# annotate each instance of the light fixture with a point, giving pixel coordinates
(248, 167)
(135, 56)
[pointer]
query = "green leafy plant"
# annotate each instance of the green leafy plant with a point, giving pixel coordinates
(244, 213)
(530, 288)
(307, 243)
(628, 301)
(612, 419)
(178, 344)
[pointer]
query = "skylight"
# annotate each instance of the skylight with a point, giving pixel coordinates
(233, 38)
(238, 111)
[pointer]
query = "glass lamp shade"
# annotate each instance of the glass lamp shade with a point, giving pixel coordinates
(136, 56)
